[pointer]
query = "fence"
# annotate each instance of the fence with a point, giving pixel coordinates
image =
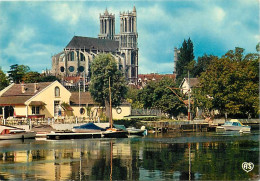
(46, 121)
(146, 112)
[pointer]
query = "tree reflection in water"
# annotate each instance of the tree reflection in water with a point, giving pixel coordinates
(139, 158)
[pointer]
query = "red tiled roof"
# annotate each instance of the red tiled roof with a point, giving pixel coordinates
(85, 98)
(16, 89)
(154, 76)
(15, 96)
(13, 100)
(72, 78)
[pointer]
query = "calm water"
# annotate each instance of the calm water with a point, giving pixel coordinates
(186, 156)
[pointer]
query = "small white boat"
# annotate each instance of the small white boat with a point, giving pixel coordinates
(10, 132)
(234, 125)
(135, 131)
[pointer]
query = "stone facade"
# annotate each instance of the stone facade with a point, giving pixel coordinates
(76, 58)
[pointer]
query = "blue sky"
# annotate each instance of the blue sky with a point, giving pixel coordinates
(31, 32)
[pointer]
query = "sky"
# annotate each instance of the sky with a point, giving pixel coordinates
(31, 32)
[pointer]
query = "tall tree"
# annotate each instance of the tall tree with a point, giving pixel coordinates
(185, 56)
(17, 72)
(231, 84)
(3, 80)
(103, 67)
(202, 64)
(157, 95)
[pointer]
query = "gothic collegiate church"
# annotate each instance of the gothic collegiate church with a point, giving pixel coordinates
(76, 58)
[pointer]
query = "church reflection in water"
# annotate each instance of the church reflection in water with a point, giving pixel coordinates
(121, 159)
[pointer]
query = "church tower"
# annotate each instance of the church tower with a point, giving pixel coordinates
(107, 26)
(128, 44)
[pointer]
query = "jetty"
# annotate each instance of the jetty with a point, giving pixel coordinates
(194, 125)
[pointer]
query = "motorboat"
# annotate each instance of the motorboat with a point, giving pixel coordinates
(115, 133)
(234, 125)
(136, 131)
(10, 132)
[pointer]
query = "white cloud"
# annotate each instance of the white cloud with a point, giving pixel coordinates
(219, 14)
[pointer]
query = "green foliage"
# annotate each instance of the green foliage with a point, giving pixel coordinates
(202, 65)
(258, 47)
(49, 78)
(184, 58)
(3, 80)
(103, 67)
(157, 95)
(231, 85)
(17, 72)
(132, 98)
(31, 77)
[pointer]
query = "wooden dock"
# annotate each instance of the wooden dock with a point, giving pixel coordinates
(193, 126)
(71, 135)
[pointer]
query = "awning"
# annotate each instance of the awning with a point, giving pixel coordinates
(37, 103)
(67, 108)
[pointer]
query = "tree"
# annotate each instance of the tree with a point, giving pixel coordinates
(103, 67)
(202, 64)
(231, 84)
(157, 95)
(31, 77)
(3, 80)
(132, 98)
(17, 72)
(49, 78)
(184, 58)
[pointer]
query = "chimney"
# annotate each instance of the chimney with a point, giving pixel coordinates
(35, 87)
(23, 87)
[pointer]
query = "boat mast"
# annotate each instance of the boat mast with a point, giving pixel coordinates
(189, 96)
(110, 107)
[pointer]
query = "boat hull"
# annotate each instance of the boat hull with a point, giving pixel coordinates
(71, 135)
(25, 135)
(115, 134)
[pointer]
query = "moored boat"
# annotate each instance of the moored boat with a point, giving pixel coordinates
(10, 132)
(87, 128)
(115, 133)
(234, 125)
(135, 131)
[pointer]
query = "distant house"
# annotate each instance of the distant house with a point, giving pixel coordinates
(143, 79)
(187, 85)
(33, 100)
(84, 106)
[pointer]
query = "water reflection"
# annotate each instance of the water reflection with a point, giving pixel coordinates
(157, 157)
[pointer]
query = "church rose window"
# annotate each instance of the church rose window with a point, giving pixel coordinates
(71, 69)
(81, 69)
(62, 69)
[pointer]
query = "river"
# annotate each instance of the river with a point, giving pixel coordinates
(175, 156)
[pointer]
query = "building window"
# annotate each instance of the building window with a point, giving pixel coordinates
(62, 69)
(57, 92)
(71, 69)
(71, 56)
(82, 110)
(35, 109)
(81, 69)
(82, 57)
